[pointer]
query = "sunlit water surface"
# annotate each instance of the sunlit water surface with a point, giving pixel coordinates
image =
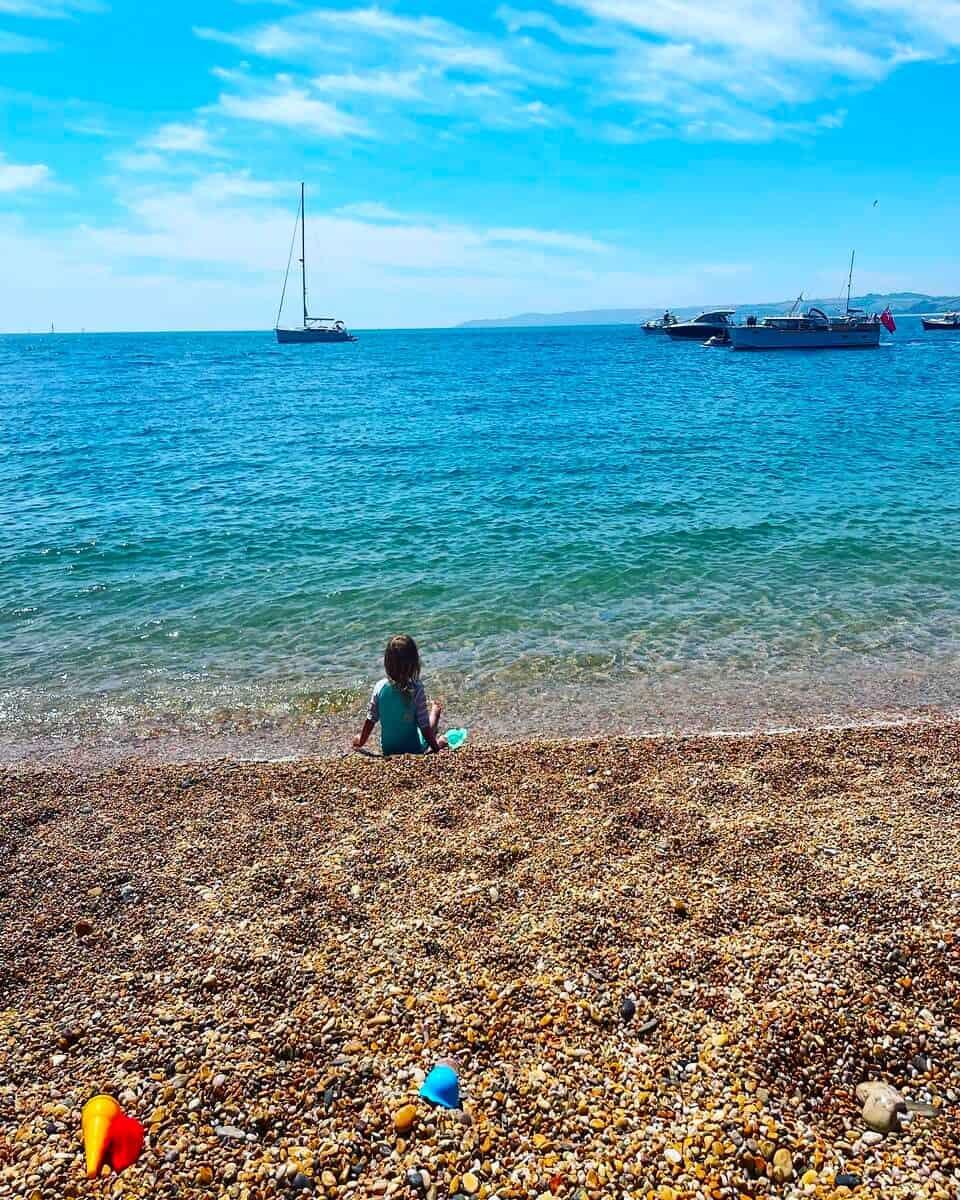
(206, 539)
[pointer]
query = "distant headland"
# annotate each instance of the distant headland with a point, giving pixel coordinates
(899, 302)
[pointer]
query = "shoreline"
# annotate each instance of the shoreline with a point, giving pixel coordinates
(262, 960)
(125, 754)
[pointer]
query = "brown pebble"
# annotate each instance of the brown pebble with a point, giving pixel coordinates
(404, 1118)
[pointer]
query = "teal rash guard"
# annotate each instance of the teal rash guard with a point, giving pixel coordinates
(402, 716)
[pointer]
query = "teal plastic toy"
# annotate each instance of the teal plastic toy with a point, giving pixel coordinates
(442, 1087)
(456, 738)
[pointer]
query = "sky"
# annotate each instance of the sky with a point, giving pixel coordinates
(468, 160)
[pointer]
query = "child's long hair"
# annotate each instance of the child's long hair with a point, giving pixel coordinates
(401, 661)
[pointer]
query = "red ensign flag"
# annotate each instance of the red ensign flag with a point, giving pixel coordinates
(888, 322)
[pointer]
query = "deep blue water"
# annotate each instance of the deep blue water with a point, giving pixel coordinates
(585, 529)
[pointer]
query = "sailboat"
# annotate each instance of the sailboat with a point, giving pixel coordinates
(314, 329)
(814, 329)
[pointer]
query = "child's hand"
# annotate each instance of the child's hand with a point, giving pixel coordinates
(357, 742)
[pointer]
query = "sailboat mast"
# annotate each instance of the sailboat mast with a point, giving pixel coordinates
(303, 252)
(853, 255)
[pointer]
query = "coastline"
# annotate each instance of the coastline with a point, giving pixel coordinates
(600, 712)
(278, 951)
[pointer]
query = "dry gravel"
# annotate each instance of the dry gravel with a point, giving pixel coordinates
(261, 962)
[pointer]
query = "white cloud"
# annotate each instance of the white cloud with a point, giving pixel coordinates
(319, 22)
(616, 70)
(550, 240)
(287, 105)
(494, 235)
(397, 85)
(203, 221)
(371, 211)
(222, 241)
(16, 177)
(307, 35)
(680, 68)
(147, 161)
(480, 59)
(180, 138)
(209, 252)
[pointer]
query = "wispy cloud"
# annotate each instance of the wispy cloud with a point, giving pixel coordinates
(231, 218)
(384, 63)
(627, 70)
(676, 68)
(38, 10)
(181, 138)
(549, 239)
(147, 161)
(370, 210)
(546, 239)
(484, 60)
(284, 103)
(15, 177)
(308, 35)
(396, 85)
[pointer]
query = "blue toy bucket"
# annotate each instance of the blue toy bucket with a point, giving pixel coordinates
(442, 1087)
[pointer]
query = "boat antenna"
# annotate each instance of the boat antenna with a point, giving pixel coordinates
(283, 294)
(853, 255)
(303, 252)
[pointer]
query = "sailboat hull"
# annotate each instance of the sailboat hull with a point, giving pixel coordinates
(314, 335)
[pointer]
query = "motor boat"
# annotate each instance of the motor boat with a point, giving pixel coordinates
(715, 323)
(661, 324)
(812, 330)
(949, 320)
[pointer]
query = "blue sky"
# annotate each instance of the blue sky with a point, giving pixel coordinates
(468, 160)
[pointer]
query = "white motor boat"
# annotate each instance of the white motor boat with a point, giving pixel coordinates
(949, 320)
(812, 330)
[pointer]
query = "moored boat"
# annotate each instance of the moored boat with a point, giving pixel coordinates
(661, 324)
(715, 323)
(948, 320)
(314, 329)
(814, 329)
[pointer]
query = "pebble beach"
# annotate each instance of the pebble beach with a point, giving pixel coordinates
(664, 967)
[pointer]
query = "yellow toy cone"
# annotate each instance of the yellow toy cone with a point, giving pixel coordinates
(95, 1121)
(109, 1135)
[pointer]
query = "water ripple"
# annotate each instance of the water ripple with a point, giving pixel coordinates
(580, 525)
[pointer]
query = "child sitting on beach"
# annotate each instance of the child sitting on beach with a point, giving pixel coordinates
(408, 725)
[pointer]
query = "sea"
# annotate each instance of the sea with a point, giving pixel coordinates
(206, 539)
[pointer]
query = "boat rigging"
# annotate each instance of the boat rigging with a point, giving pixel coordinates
(314, 329)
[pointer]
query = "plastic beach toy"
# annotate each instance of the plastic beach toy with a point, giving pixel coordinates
(442, 1087)
(109, 1136)
(456, 738)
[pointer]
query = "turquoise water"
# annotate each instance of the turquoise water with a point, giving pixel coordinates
(206, 539)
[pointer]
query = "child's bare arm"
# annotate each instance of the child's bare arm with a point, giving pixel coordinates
(430, 737)
(361, 739)
(428, 718)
